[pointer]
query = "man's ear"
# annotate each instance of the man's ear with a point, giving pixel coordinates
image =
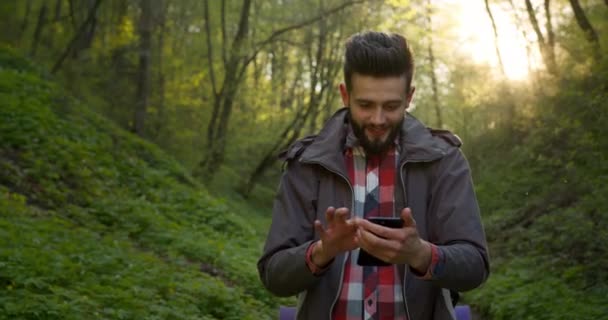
(410, 95)
(344, 94)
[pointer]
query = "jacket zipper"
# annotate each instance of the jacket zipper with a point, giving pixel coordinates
(401, 175)
(407, 309)
(352, 205)
(352, 197)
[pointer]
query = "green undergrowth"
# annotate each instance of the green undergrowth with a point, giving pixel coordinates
(97, 223)
(545, 210)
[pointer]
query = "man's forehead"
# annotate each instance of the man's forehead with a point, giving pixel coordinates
(378, 88)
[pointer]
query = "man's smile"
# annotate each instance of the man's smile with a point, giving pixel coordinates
(376, 132)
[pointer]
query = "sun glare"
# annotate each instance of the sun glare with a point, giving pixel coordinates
(477, 38)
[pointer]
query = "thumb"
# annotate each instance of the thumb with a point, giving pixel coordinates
(408, 219)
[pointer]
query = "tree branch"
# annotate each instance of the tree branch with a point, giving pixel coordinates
(277, 33)
(210, 50)
(307, 22)
(502, 66)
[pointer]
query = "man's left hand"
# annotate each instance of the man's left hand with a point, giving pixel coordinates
(396, 246)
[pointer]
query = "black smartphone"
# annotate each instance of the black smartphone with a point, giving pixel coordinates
(366, 259)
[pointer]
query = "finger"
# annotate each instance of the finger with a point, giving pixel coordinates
(408, 218)
(374, 241)
(341, 214)
(376, 245)
(319, 228)
(329, 214)
(380, 231)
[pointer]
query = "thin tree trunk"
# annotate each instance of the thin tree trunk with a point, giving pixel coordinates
(498, 55)
(323, 70)
(550, 35)
(585, 25)
(288, 136)
(26, 17)
(432, 67)
(161, 75)
(217, 128)
(549, 26)
(504, 86)
(545, 50)
(519, 23)
(73, 15)
(77, 36)
(39, 26)
(58, 10)
(143, 72)
(234, 70)
(223, 26)
(87, 39)
(216, 95)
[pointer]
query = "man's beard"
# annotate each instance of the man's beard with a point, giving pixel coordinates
(378, 146)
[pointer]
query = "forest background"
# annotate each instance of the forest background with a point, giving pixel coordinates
(138, 143)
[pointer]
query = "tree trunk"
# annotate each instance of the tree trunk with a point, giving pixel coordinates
(549, 26)
(498, 55)
(58, 10)
(545, 50)
(143, 71)
(162, 17)
(223, 99)
(85, 40)
(234, 70)
(322, 70)
(39, 26)
(436, 105)
(26, 18)
(585, 25)
(217, 101)
(550, 35)
(289, 135)
(80, 31)
(73, 15)
(519, 22)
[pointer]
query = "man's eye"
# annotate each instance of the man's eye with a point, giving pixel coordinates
(392, 107)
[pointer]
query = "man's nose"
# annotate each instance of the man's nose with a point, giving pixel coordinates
(378, 117)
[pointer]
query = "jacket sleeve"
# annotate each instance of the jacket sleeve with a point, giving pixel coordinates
(282, 267)
(456, 227)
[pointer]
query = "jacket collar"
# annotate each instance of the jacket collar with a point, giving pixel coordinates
(417, 144)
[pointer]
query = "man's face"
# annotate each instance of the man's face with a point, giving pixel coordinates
(377, 109)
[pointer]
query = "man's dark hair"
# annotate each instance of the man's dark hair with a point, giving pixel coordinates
(378, 54)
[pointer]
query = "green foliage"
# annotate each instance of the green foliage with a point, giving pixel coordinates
(96, 223)
(523, 289)
(545, 208)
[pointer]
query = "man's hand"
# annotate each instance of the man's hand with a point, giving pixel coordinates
(339, 236)
(397, 246)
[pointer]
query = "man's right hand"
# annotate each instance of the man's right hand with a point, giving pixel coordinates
(339, 236)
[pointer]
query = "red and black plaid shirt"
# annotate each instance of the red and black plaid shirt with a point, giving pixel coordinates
(369, 292)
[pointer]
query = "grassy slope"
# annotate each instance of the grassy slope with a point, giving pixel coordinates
(96, 223)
